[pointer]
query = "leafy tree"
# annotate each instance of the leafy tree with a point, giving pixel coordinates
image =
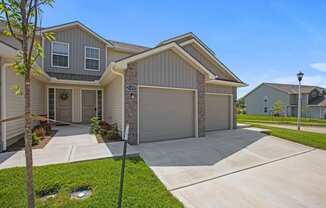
(22, 18)
(241, 107)
(278, 107)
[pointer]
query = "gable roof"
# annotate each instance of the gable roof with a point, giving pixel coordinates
(212, 56)
(79, 24)
(287, 88)
(122, 63)
(128, 46)
(189, 35)
(292, 88)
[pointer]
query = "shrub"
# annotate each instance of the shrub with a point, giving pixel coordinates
(35, 139)
(95, 125)
(40, 131)
(110, 132)
(105, 125)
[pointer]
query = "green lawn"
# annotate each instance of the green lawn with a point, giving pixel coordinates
(307, 138)
(142, 187)
(280, 120)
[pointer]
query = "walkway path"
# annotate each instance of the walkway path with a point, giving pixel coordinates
(71, 144)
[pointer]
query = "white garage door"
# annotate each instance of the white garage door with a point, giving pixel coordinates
(165, 114)
(217, 112)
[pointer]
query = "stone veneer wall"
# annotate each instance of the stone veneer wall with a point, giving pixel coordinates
(201, 90)
(234, 107)
(131, 103)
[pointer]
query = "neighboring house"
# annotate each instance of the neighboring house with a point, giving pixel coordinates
(177, 89)
(261, 100)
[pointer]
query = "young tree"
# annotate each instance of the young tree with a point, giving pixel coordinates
(22, 18)
(278, 108)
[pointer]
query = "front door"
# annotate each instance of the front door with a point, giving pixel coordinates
(64, 105)
(88, 105)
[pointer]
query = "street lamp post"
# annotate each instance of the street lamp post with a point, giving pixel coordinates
(300, 76)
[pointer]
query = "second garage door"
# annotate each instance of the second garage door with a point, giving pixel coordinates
(217, 112)
(165, 114)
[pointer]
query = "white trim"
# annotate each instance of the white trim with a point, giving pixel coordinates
(80, 106)
(123, 99)
(96, 59)
(74, 82)
(169, 88)
(226, 83)
(55, 66)
(231, 105)
(218, 62)
(175, 47)
(102, 104)
(55, 103)
(4, 106)
(82, 26)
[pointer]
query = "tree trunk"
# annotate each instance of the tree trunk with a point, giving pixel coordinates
(28, 142)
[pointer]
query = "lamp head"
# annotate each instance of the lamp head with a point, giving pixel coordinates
(300, 76)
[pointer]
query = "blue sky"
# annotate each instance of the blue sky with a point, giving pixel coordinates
(260, 41)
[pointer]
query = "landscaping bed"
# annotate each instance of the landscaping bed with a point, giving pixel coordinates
(20, 144)
(102, 177)
(104, 131)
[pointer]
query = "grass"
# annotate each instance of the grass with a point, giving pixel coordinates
(280, 120)
(142, 187)
(311, 139)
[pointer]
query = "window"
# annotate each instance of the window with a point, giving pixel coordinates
(92, 58)
(265, 109)
(60, 54)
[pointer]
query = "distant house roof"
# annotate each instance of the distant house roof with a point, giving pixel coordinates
(320, 101)
(293, 89)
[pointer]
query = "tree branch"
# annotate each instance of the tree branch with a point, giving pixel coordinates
(33, 32)
(9, 24)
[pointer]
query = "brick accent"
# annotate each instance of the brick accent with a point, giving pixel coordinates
(201, 89)
(131, 103)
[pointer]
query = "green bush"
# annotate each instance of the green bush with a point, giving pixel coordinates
(35, 139)
(95, 125)
(110, 132)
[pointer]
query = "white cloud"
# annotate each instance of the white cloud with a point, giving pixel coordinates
(319, 66)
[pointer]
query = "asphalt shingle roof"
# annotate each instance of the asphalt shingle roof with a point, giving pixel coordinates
(293, 89)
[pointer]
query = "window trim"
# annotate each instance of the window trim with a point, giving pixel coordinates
(97, 59)
(55, 66)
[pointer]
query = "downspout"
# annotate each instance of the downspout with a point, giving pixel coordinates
(123, 97)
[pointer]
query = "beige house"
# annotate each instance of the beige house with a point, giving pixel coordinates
(177, 89)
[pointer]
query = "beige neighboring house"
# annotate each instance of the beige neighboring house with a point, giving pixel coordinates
(177, 89)
(261, 100)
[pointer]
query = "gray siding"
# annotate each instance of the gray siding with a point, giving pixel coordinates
(113, 55)
(166, 69)
(210, 88)
(316, 112)
(205, 61)
(255, 100)
(77, 40)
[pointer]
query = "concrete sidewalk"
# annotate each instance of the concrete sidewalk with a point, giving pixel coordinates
(71, 144)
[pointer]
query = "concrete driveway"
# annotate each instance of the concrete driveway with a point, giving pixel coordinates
(239, 168)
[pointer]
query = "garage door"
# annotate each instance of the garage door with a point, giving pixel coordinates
(165, 114)
(217, 112)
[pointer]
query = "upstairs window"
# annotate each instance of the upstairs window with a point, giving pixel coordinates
(60, 54)
(92, 58)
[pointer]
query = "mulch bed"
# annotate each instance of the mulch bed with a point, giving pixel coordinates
(20, 144)
(100, 139)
